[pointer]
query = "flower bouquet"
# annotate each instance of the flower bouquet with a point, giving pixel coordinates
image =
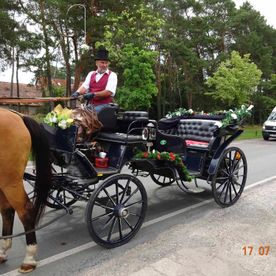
(59, 117)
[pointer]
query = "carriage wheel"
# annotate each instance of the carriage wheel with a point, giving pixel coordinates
(230, 176)
(60, 198)
(116, 210)
(162, 180)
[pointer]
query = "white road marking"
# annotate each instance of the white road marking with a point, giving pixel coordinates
(89, 245)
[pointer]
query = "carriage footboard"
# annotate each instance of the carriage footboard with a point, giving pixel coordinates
(160, 167)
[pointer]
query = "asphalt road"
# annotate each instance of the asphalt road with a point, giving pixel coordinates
(65, 247)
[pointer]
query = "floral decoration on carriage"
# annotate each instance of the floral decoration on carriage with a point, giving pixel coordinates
(85, 119)
(167, 156)
(60, 117)
(231, 116)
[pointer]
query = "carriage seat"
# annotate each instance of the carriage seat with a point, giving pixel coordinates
(198, 133)
(129, 128)
(108, 117)
(119, 137)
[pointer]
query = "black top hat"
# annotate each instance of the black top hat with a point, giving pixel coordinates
(102, 54)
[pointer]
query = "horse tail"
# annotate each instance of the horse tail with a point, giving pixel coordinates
(41, 154)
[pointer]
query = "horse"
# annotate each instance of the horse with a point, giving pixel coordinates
(20, 136)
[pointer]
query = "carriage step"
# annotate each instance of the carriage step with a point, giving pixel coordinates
(194, 173)
(105, 171)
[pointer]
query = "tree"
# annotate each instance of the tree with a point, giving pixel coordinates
(139, 86)
(131, 38)
(235, 81)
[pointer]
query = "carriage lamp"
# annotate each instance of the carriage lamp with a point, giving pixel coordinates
(152, 131)
(145, 134)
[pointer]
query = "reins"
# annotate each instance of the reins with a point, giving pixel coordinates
(35, 229)
(33, 100)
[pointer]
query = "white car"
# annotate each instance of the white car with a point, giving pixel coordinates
(269, 126)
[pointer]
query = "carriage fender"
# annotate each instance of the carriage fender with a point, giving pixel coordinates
(215, 160)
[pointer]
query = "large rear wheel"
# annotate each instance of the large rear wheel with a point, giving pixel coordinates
(116, 210)
(230, 176)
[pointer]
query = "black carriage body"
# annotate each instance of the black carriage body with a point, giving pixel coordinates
(204, 140)
(120, 201)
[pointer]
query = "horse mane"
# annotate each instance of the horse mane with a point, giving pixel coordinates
(41, 154)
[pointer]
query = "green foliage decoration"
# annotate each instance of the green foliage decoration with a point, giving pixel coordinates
(168, 156)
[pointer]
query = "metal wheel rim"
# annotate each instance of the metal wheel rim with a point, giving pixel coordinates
(230, 177)
(112, 226)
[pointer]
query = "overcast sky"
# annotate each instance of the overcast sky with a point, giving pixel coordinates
(267, 8)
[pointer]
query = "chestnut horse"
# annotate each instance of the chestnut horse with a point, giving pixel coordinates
(18, 136)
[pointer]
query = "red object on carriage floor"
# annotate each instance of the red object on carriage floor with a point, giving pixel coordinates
(101, 162)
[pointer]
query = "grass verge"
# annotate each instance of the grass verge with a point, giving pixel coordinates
(251, 132)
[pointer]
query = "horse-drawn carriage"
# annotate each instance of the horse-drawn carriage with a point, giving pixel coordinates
(116, 207)
(170, 150)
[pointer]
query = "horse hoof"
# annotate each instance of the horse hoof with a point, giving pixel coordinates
(3, 260)
(26, 268)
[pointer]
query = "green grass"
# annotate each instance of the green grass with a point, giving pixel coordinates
(251, 132)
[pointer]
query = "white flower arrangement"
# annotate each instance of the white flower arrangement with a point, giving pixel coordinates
(230, 117)
(60, 117)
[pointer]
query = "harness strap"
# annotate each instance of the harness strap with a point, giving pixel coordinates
(34, 100)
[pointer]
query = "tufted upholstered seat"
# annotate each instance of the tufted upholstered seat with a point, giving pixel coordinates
(196, 132)
(195, 129)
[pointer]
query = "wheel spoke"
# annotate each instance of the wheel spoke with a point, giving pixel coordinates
(237, 183)
(111, 229)
(230, 193)
(225, 195)
(223, 188)
(222, 184)
(120, 228)
(117, 192)
(236, 166)
(136, 190)
(111, 199)
(128, 224)
(221, 178)
(124, 192)
(226, 167)
(137, 202)
(101, 216)
(239, 168)
(103, 206)
(234, 188)
(134, 214)
(107, 222)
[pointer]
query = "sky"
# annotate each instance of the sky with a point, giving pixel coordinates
(267, 8)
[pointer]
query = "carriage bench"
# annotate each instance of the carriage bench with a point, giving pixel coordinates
(128, 127)
(198, 133)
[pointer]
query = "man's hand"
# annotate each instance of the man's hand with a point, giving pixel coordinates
(75, 94)
(88, 96)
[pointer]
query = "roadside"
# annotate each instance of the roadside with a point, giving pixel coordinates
(212, 244)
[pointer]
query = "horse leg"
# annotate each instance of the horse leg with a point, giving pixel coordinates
(24, 208)
(7, 213)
